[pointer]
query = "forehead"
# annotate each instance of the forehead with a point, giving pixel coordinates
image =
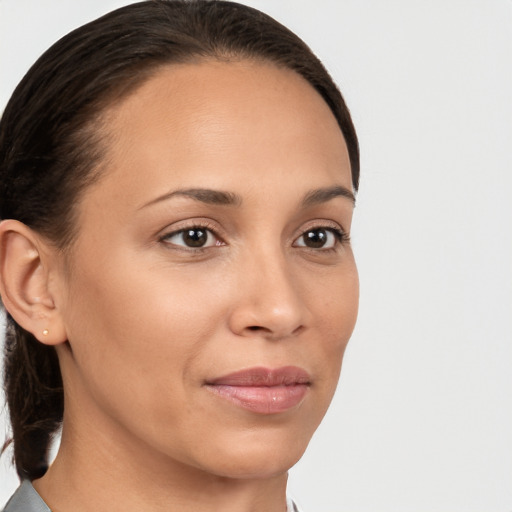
(222, 121)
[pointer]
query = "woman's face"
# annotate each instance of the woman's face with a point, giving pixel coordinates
(211, 290)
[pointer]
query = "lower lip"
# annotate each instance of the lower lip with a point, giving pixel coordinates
(263, 399)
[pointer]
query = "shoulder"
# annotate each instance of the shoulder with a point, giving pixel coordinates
(26, 499)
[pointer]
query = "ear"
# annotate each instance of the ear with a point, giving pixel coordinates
(24, 279)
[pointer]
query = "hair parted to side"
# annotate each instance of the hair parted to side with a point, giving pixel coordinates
(51, 150)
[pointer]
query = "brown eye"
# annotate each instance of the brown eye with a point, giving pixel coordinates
(194, 238)
(318, 238)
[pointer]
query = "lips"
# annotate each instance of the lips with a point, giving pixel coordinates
(263, 390)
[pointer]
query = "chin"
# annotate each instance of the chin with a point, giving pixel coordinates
(255, 455)
(255, 468)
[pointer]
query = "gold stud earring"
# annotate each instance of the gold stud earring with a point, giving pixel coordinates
(46, 332)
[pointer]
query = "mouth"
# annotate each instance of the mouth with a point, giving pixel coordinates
(263, 390)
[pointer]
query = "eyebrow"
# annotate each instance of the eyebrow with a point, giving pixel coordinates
(222, 198)
(204, 195)
(322, 195)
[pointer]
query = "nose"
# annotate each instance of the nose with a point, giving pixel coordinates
(269, 302)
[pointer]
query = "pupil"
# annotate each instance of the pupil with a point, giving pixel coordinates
(315, 238)
(195, 237)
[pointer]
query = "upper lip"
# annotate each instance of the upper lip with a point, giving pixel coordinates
(260, 376)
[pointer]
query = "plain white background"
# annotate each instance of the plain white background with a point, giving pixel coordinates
(422, 420)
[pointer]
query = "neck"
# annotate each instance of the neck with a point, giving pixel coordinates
(111, 471)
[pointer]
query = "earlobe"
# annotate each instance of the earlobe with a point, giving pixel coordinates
(24, 283)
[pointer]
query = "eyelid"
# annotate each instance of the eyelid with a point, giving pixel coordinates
(342, 236)
(319, 224)
(188, 225)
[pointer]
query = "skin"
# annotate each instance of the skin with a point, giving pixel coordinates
(150, 320)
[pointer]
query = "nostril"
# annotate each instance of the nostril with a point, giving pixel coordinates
(298, 330)
(255, 328)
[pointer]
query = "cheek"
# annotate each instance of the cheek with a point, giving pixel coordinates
(335, 299)
(336, 309)
(140, 333)
(137, 346)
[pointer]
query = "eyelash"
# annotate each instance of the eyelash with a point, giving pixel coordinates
(341, 237)
(208, 228)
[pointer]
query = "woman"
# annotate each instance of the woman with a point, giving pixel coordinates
(177, 187)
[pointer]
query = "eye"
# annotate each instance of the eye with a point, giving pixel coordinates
(195, 237)
(319, 238)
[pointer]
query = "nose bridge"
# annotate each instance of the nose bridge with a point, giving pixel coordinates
(270, 300)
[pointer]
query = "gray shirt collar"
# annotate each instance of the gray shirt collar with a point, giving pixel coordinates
(26, 499)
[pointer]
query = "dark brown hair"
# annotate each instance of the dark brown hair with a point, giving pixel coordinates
(50, 150)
